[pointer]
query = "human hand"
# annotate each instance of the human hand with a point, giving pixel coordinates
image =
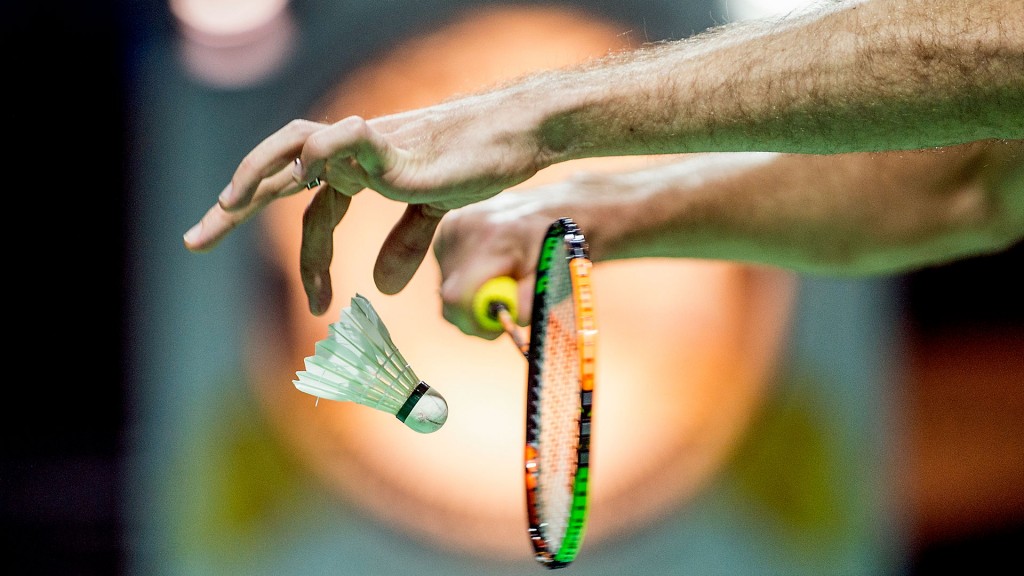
(498, 237)
(434, 159)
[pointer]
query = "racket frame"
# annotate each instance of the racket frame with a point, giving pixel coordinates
(562, 233)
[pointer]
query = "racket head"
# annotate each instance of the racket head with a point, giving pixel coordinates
(560, 385)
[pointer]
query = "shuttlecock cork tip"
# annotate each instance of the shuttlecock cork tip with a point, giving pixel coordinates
(425, 410)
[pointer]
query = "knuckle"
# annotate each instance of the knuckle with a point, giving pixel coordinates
(299, 125)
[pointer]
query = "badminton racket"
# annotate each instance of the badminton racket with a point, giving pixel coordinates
(560, 385)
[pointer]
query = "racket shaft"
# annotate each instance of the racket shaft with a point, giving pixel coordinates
(509, 324)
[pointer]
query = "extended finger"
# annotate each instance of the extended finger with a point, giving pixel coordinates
(214, 226)
(405, 247)
(218, 222)
(279, 185)
(319, 220)
(269, 157)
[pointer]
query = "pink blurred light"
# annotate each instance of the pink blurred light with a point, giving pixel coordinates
(234, 43)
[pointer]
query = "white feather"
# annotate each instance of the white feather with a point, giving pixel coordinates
(358, 362)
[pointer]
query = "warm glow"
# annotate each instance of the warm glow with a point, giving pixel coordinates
(683, 348)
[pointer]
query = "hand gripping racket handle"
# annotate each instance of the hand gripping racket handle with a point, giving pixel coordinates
(495, 307)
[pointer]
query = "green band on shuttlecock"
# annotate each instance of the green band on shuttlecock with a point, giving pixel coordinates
(502, 291)
(411, 401)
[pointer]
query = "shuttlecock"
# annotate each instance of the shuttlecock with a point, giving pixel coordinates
(359, 363)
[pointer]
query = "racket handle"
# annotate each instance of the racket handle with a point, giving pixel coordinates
(495, 307)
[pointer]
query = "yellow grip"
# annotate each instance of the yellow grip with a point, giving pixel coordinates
(500, 291)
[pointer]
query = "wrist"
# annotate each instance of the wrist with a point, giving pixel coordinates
(542, 112)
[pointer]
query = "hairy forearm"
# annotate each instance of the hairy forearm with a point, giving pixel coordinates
(844, 214)
(855, 76)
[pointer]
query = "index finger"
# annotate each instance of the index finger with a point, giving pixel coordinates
(269, 157)
(218, 222)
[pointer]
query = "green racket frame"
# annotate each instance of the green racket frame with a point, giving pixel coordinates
(563, 234)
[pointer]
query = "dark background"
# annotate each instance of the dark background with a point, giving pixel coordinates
(67, 114)
(66, 411)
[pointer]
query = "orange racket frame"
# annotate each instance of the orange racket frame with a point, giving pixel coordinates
(563, 238)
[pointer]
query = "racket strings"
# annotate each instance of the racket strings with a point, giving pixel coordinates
(559, 418)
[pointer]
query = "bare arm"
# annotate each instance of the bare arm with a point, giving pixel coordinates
(856, 76)
(848, 214)
(844, 214)
(853, 76)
